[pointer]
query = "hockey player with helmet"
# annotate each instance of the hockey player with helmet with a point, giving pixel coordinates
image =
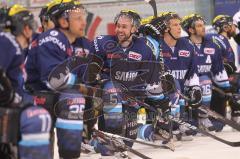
(53, 48)
(34, 122)
(226, 29)
(177, 55)
(119, 116)
(209, 62)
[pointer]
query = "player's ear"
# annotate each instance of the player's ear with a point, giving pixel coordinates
(191, 30)
(133, 30)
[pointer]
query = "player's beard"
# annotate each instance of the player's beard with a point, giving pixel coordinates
(230, 34)
(125, 39)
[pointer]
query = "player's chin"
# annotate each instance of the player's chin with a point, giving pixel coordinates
(120, 37)
(80, 33)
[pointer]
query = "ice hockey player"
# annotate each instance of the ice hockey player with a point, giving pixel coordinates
(34, 122)
(53, 47)
(209, 62)
(178, 56)
(119, 116)
(226, 29)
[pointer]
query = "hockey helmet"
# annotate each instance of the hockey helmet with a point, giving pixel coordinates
(131, 14)
(19, 17)
(220, 21)
(60, 8)
(189, 21)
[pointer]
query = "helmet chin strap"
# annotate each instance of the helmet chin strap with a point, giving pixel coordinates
(169, 32)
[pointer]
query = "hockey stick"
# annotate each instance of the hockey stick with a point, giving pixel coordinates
(192, 127)
(114, 136)
(118, 144)
(153, 5)
(219, 117)
(223, 93)
(214, 114)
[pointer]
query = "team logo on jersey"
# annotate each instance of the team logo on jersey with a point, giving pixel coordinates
(209, 51)
(54, 33)
(184, 53)
(135, 56)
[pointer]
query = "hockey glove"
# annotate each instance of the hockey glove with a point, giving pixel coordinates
(195, 95)
(230, 68)
(168, 83)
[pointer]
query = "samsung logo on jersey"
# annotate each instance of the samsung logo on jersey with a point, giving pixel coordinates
(54, 40)
(135, 56)
(184, 53)
(209, 51)
(125, 76)
(204, 68)
(179, 74)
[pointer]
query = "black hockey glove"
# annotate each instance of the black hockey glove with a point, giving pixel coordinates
(195, 95)
(149, 29)
(158, 102)
(230, 68)
(6, 90)
(168, 83)
(92, 72)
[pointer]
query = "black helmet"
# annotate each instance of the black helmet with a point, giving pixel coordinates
(189, 21)
(43, 14)
(20, 17)
(220, 21)
(59, 8)
(132, 14)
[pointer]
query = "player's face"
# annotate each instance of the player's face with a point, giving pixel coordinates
(124, 28)
(232, 30)
(200, 28)
(175, 26)
(77, 22)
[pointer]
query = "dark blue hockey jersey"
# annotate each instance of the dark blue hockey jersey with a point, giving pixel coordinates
(210, 63)
(47, 51)
(179, 60)
(117, 60)
(12, 61)
(227, 51)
